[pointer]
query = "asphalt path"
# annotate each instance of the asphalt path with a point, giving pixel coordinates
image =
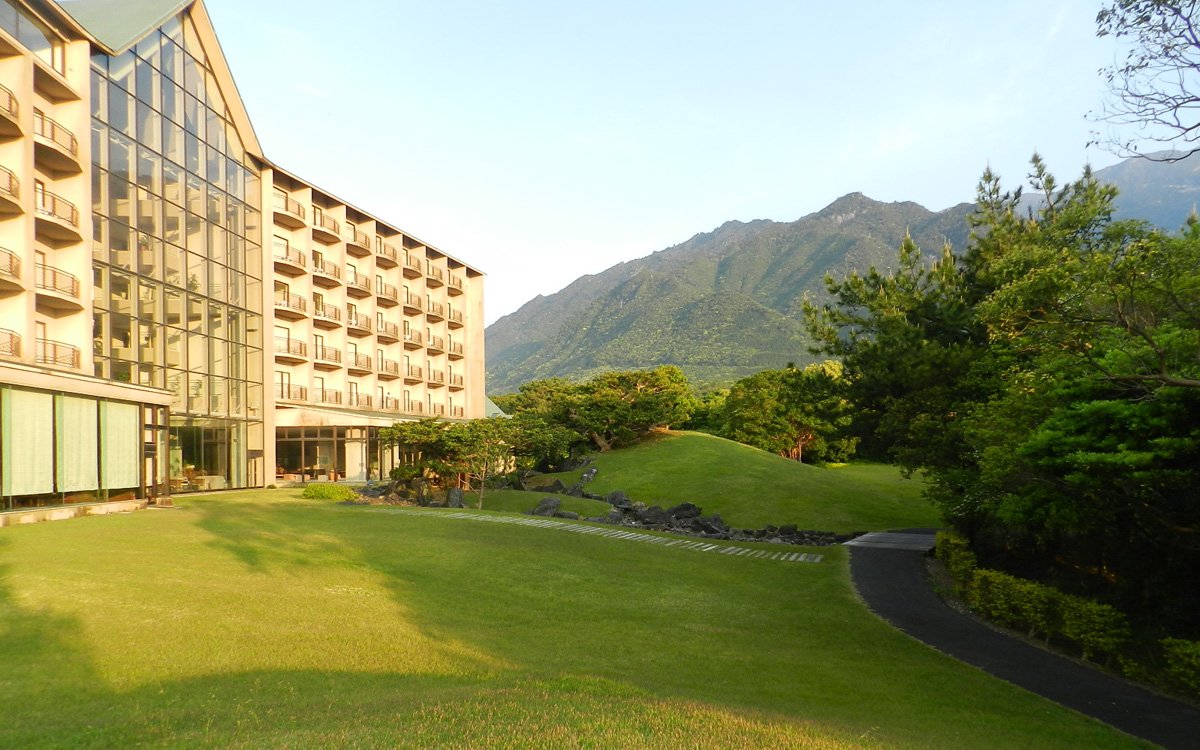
(893, 582)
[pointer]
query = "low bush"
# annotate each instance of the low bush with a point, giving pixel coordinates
(956, 554)
(1182, 664)
(1097, 628)
(323, 491)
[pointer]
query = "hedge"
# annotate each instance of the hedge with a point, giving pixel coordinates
(1183, 663)
(325, 491)
(956, 553)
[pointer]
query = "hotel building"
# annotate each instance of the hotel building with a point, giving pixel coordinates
(177, 312)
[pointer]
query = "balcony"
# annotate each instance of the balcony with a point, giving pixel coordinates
(288, 260)
(385, 254)
(386, 294)
(288, 212)
(290, 306)
(55, 148)
(455, 285)
(357, 285)
(326, 357)
(456, 412)
(10, 192)
(10, 271)
(292, 351)
(326, 396)
(435, 345)
(290, 392)
(437, 410)
(326, 316)
(358, 400)
(326, 228)
(456, 382)
(414, 407)
(435, 311)
(10, 114)
(358, 243)
(56, 288)
(326, 274)
(358, 324)
(412, 304)
(10, 343)
(413, 374)
(412, 340)
(434, 276)
(456, 350)
(57, 354)
(388, 369)
(454, 318)
(436, 378)
(57, 217)
(389, 333)
(390, 403)
(358, 364)
(412, 267)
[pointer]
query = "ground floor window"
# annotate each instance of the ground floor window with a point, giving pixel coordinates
(211, 454)
(330, 454)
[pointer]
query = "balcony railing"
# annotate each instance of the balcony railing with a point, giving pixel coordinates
(57, 353)
(456, 380)
(10, 343)
(358, 281)
(327, 354)
(389, 329)
(328, 312)
(55, 280)
(436, 342)
(8, 102)
(294, 347)
(358, 237)
(9, 184)
(456, 284)
(437, 410)
(437, 376)
(385, 250)
(358, 320)
(456, 412)
(412, 300)
(328, 223)
(291, 301)
(358, 361)
(10, 264)
(456, 348)
(413, 263)
(289, 205)
(289, 255)
(455, 316)
(49, 204)
(383, 289)
(434, 273)
(291, 392)
(436, 309)
(329, 269)
(53, 131)
(412, 337)
(414, 372)
(389, 367)
(391, 403)
(414, 407)
(326, 396)
(358, 400)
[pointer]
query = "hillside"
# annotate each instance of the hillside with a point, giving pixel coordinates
(726, 303)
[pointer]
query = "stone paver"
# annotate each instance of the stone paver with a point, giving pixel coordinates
(615, 533)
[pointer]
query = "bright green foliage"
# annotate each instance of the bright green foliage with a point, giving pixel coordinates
(1097, 628)
(1183, 663)
(955, 553)
(799, 414)
(324, 491)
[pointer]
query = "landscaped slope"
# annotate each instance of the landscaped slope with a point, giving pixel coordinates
(255, 620)
(750, 488)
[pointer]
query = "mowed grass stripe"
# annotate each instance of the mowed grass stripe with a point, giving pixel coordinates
(580, 528)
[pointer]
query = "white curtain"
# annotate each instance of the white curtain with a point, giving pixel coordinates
(78, 445)
(121, 427)
(27, 419)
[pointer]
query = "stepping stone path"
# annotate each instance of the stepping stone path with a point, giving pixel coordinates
(622, 534)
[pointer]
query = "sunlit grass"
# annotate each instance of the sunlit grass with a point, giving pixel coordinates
(261, 620)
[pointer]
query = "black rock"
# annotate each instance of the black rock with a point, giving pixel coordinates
(454, 497)
(653, 516)
(548, 506)
(575, 490)
(683, 511)
(572, 515)
(618, 499)
(588, 475)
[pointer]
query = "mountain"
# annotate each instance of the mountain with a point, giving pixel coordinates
(726, 303)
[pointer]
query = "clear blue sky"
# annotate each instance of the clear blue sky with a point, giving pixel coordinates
(540, 140)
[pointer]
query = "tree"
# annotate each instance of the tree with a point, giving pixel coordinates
(1156, 87)
(616, 409)
(475, 451)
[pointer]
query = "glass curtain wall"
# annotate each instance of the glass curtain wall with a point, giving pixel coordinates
(177, 254)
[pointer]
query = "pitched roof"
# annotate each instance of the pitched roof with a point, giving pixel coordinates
(119, 24)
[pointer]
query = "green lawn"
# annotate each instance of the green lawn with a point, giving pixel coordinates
(257, 619)
(751, 488)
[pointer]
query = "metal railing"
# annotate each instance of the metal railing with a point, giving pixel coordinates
(295, 347)
(288, 205)
(326, 396)
(456, 348)
(9, 184)
(57, 353)
(414, 372)
(291, 392)
(289, 255)
(358, 360)
(50, 204)
(456, 380)
(327, 353)
(383, 289)
(412, 300)
(455, 283)
(328, 312)
(358, 320)
(435, 273)
(437, 410)
(384, 249)
(327, 268)
(10, 343)
(358, 280)
(388, 367)
(358, 237)
(414, 407)
(456, 411)
(413, 337)
(55, 280)
(388, 329)
(437, 376)
(413, 263)
(455, 316)
(391, 403)
(328, 223)
(10, 264)
(8, 102)
(291, 301)
(53, 131)
(436, 309)
(358, 400)
(436, 342)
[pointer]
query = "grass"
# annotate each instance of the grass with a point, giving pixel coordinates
(516, 501)
(750, 488)
(259, 619)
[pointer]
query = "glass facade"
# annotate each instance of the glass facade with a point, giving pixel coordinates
(177, 254)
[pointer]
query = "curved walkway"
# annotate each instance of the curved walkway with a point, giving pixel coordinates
(889, 572)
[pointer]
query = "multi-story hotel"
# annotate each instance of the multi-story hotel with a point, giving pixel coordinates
(177, 312)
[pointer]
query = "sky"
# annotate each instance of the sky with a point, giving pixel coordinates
(540, 140)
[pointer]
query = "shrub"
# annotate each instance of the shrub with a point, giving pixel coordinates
(323, 491)
(956, 553)
(1097, 628)
(1183, 663)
